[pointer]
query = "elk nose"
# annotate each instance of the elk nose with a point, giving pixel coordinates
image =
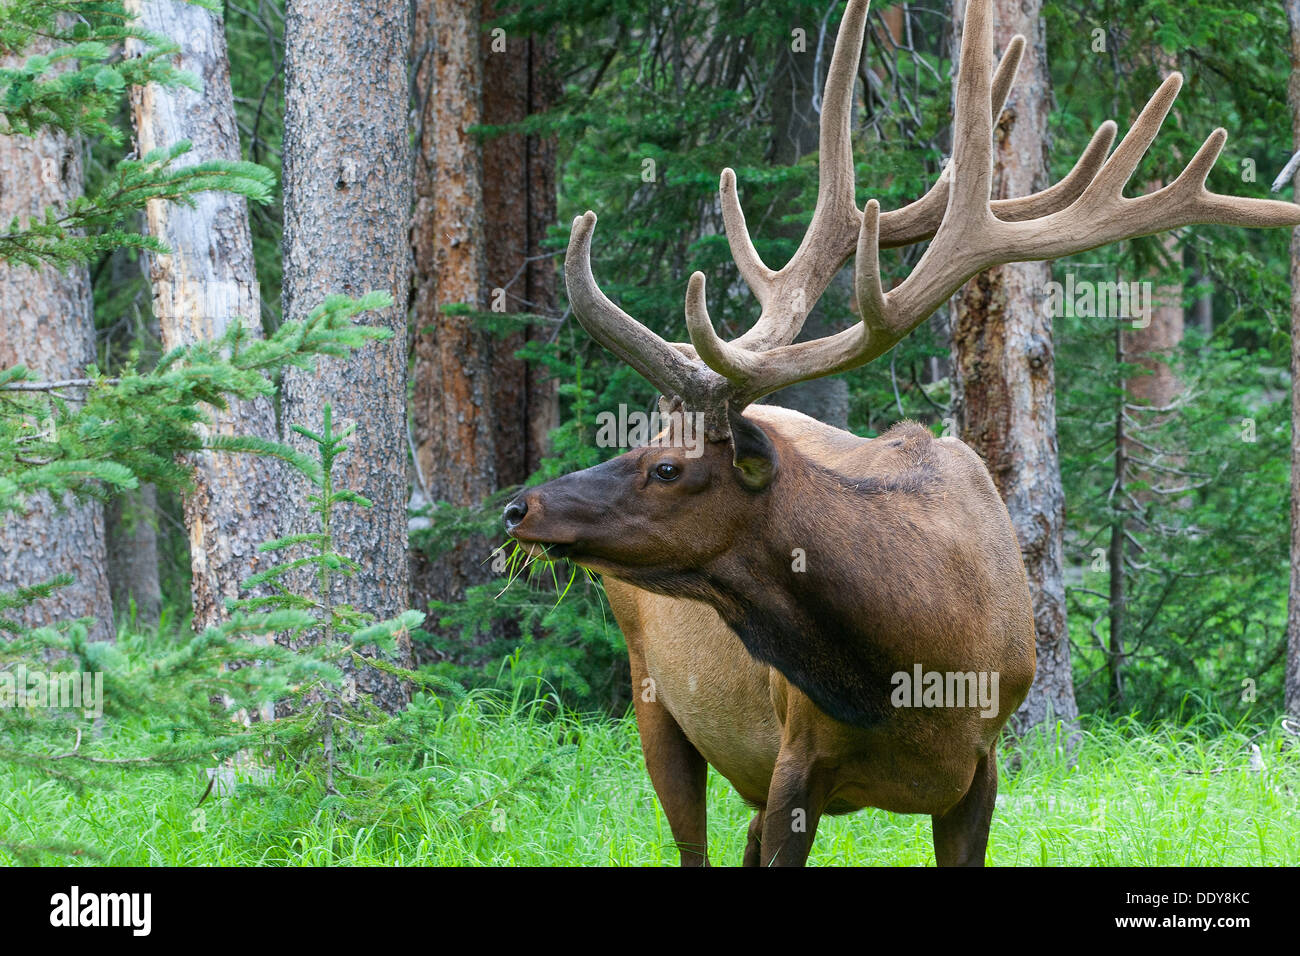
(514, 513)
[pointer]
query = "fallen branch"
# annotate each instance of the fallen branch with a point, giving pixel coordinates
(1287, 173)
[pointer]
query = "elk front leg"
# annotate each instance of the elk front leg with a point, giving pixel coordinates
(677, 771)
(794, 806)
(962, 834)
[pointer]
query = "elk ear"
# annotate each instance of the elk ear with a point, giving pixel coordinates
(752, 452)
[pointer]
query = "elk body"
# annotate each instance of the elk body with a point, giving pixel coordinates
(773, 589)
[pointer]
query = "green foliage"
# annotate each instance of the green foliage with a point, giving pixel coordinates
(1205, 571)
(114, 434)
(183, 695)
(91, 435)
(90, 225)
(191, 697)
(328, 633)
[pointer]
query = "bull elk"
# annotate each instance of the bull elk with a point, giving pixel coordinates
(783, 673)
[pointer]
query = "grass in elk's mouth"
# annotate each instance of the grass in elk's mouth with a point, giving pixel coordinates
(528, 562)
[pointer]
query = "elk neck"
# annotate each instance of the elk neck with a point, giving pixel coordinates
(797, 588)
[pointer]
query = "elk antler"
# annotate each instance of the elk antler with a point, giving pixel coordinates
(970, 233)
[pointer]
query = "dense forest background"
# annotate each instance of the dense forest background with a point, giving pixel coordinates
(372, 239)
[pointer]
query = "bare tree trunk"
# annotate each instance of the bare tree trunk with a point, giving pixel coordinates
(1203, 312)
(205, 284)
(1004, 371)
(46, 324)
(1292, 680)
(131, 517)
(132, 534)
(347, 206)
(1154, 347)
(519, 203)
(1117, 602)
(454, 369)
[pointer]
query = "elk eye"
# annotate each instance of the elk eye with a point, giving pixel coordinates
(667, 472)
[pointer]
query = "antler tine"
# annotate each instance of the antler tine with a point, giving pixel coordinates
(971, 180)
(919, 221)
(867, 287)
(757, 276)
(659, 362)
(1005, 75)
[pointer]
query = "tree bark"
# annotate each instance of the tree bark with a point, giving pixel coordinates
(519, 202)
(206, 283)
(46, 324)
(1155, 347)
(1292, 678)
(347, 206)
(1004, 372)
(454, 432)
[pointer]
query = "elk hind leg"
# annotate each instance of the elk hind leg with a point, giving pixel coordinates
(962, 834)
(754, 841)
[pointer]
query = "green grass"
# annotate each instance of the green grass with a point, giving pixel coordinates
(506, 784)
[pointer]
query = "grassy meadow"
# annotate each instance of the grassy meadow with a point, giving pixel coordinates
(508, 782)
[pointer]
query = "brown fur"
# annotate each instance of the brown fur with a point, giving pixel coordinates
(780, 678)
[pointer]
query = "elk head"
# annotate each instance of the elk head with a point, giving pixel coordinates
(653, 517)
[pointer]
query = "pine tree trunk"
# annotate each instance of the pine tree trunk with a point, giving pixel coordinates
(1004, 372)
(206, 283)
(519, 202)
(46, 324)
(131, 518)
(454, 371)
(1117, 601)
(1154, 347)
(1292, 680)
(347, 205)
(132, 531)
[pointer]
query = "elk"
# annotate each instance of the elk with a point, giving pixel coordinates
(783, 673)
